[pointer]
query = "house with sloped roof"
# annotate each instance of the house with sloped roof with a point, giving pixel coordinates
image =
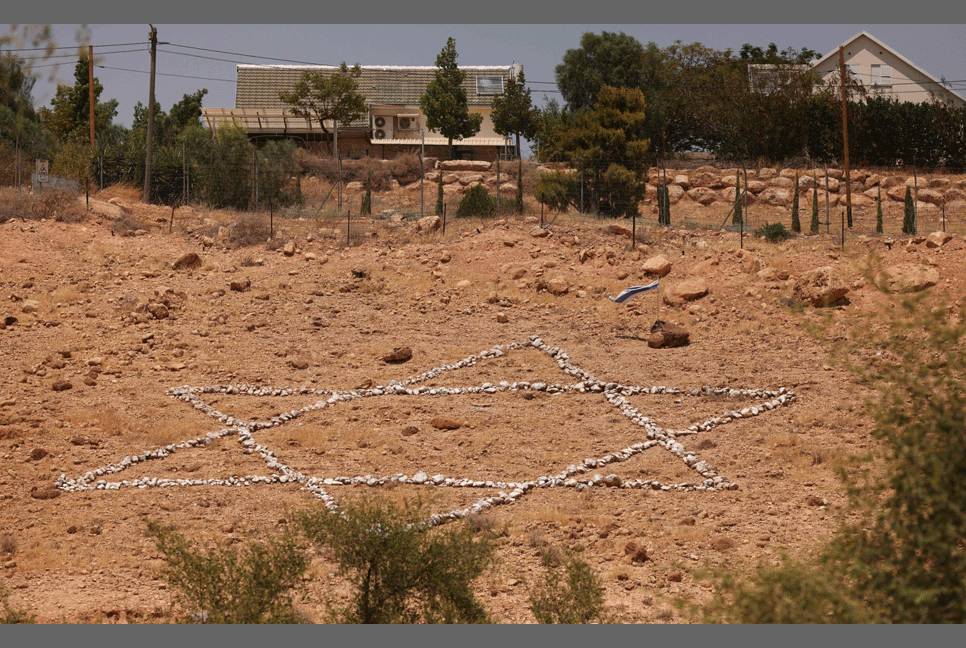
(878, 68)
(884, 71)
(393, 123)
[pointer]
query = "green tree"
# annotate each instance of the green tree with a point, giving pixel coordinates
(513, 113)
(328, 96)
(878, 210)
(606, 59)
(253, 585)
(557, 190)
(608, 145)
(908, 213)
(67, 117)
(401, 570)
(445, 103)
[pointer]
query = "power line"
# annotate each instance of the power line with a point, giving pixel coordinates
(201, 56)
(255, 56)
(50, 49)
(170, 74)
(78, 55)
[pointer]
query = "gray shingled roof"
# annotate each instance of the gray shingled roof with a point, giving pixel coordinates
(258, 86)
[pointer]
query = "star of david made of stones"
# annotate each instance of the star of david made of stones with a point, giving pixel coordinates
(585, 473)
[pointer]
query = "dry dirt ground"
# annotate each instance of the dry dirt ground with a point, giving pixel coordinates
(78, 294)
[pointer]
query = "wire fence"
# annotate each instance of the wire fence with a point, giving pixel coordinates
(704, 198)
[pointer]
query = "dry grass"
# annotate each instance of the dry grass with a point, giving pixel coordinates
(57, 205)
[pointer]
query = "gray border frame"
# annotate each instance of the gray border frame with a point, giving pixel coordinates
(495, 12)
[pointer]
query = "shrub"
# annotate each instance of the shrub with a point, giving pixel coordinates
(252, 585)
(10, 614)
(250, 229)
(405, 168)
(557, 190)
(570, 592)
(476, 202)
(899, 558)
(401, 570)
(127, 224)
(53, 204)
(774, 232)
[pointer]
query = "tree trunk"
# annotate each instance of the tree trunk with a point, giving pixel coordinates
(451, 149)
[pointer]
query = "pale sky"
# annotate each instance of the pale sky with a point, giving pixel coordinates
(939, 49)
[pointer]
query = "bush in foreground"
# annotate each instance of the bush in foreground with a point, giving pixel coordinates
(252, 585)
(774, 232)
(569, 593)
(400, 570)
(901, 560)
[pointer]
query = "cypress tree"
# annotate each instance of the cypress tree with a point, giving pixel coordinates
(796, 222)
(813, 226)
(736, 218)
(878, 211)
(667, 206)
(366, 209)
(909, 214)
(439, 194)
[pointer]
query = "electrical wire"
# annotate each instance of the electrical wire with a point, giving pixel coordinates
(169, 74)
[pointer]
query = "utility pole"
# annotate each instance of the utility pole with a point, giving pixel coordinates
(149, 145)
(845, 134)
(90, 91)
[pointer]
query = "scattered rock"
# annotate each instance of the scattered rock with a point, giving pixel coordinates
(359, 272)
(299, 362)
(61, 385)
(685, 291)
(502, 318)
(428, 224)
(820, 287)
(289, 249)
(722, 544)
(45, 492)
(938, 239)
(815, 500)
(618, 230)
(398, 355)
(445, 423)
(556, 286)
(637, 553)
(188, 261)
(657, 266)
(240, 285)
(907, 278)
(37, 454)
(29, 306)
(410, 430)
(7, 321)
(665, 335)
(539, 232)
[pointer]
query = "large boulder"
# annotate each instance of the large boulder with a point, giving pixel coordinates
(656, 266)
(955, 194)
(428, 224)
(703, 195)
(781, 181)
(685, 291)
(907, 278)
(938, 239)
(707, 180)
(188, 261)
(776, 196)
(674, 193)
(931, 196)
(820, 287)
(465, 165)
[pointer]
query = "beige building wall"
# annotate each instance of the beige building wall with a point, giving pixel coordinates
(869, 62)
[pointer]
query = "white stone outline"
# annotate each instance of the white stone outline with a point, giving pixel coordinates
(615, 393)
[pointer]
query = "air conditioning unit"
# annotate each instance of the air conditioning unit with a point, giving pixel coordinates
(381, 127)
(408, 123)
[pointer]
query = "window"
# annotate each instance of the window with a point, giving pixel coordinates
(489, 85)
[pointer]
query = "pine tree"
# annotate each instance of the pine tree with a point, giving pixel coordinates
(666, 204)
(796, 222)
(909, 214)
(445, 103)
(738, 216)
(878, 211)
(660, 204)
